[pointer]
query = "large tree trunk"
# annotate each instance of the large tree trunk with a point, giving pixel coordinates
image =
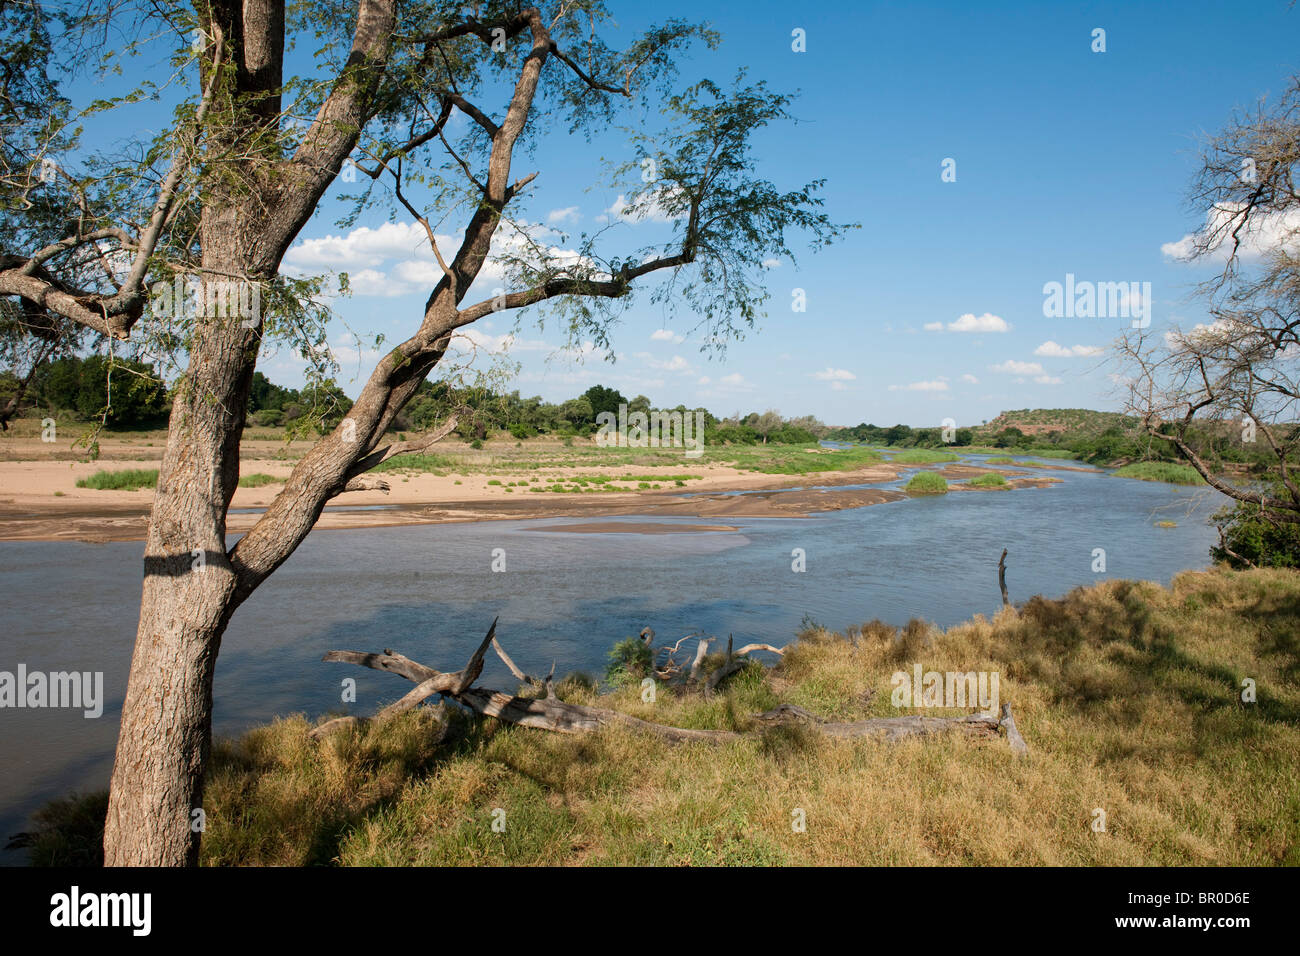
(187, 596)
(252, 210)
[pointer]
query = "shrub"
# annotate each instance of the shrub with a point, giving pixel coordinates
(991, 480)
(520, 430)
(1160, 471)
(1252, 538)
(927, 483)
(132, 479)
(629, 661)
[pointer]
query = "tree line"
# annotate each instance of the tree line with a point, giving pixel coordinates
(126, 393)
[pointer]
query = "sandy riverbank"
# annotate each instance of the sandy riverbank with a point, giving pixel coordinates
(40, 500)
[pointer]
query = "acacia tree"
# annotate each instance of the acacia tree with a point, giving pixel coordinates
(1236, 379)
(224, 193)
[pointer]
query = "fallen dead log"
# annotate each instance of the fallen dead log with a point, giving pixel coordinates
(552, 714)
(428, 680)
(729, 667)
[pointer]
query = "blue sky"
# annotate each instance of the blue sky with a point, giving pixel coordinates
(1067, 161)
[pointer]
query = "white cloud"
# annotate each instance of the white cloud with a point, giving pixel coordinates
(834, 375)
(1047, 380)
(362, 247)
(567, 214)
(771, 263)
(1013, 367)
(970, 322)
(938, 385)
(1265, 232)
(665, 335)
(988, 322)
(971, 379)
(362, 251)
(1053, 350)
(674, 364)
(651, 206)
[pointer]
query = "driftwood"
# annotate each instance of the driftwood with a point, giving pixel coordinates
(729, 667)
(1008, 723)
(1002, 576)
(551, 713)
(701, 649)
(428, 681)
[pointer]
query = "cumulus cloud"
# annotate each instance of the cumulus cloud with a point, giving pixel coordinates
(1264, 233)
(970, 322)
(567, 214)
(936, 385)
(362, 247)
(665, 335)
(971, 379)
(1013, 367)
(656, 205)
(1053, 350)
(363, 251)
(674, 364)
(834, 375)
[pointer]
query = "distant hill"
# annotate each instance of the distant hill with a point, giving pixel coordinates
(1072, 422)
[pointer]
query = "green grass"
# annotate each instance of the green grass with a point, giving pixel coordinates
(1168, 472)
(258, 480)
(794, 459)
(131, 479)
(416, 464)
(991, 480)
(1128, 695)
(1061, 453)
(922, 456)
(926, 483)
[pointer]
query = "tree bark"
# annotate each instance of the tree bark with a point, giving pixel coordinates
(191, 588)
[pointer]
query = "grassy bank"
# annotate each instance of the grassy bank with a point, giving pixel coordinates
(1128, 695)
(1168, 472)
(130, 479)
(926, 483)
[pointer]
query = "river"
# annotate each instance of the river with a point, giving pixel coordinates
(430, 592)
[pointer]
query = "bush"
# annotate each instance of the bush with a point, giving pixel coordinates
(521, 431)
(927, 483)
(629, 661)
(138, 396)
(132, 479)
(268, 417)
(1160, 471)
(991, 480)
(1254, 539)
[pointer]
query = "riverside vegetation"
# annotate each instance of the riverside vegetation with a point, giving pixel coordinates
(1129, 695)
